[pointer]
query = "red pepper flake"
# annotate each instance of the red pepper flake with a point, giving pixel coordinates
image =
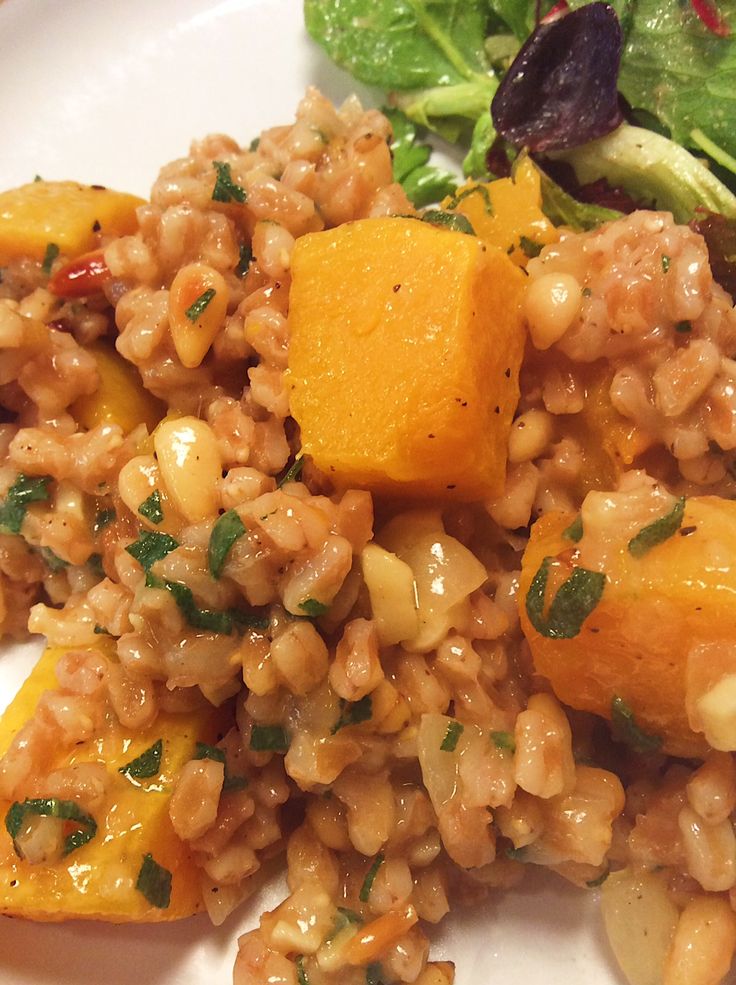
(711, 18)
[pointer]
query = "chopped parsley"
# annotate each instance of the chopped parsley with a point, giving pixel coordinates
(226, 190)
(683, 327)
(575, 600)
(353, 713)
(26, 489)
(150, 508)
(146, 765)
(370, 878)
(313, 608)
(150, 547)
(481, 190)
(208, 619)
(227, 529)
(455, 221)
(665, 263)
(657, 532)
(269, 738)
(52, 252)
(301, 975)
(530, 247)
(246, 255)
(504, 741)
(626, 729)
(423, 182)
(154, 882)
(575, 531)
(65, 810)
(102, 519)
(95, 564)
(452, 735)
(53, 562)
(230, 782)
(292, 473)
(197, 308)
(595, 883)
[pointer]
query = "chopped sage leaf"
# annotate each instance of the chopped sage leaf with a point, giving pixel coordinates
(530, 247)
(595, 883)
(253, 146)
(626, 729)
(26, 489)
(453, 733)
(150, 508)
(516, 854)
(196, 309)
(246, 255)
(102, 519)
(226, 190)
(665, 263)
(53, 562)
(150, 547)
(95, 564)
(154, 882)
(100, 630)
(683, 327)
(479, 189)
(370, 878)
(146, 765)
(65, 810)
(348, 915)
(313, 608)
(230, 782)
(575, 600)
(292, 473)
(504, 741)
(208, 619)
(269, 738)
(657, 532)
(455, 221)
(227, 529)
(587, 292)
(353, 713)
(575, 531)
(301, 975)
(52, 252)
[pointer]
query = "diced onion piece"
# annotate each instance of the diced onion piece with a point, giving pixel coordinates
(390, 584)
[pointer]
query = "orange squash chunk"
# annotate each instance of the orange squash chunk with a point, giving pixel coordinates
(120, 398)
(405, 347)
(70, 215)
(97, 880)
(654, 610)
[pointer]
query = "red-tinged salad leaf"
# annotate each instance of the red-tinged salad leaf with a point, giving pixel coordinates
(719, 234)
(711, 18)
(560, 90)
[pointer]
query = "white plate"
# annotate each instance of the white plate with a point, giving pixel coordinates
(105, 93)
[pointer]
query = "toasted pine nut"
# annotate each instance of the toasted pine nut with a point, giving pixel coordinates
(197, 308)
(190, 466)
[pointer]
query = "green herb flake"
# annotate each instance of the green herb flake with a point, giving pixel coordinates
(230, 781)
(575, 600)
(575, 531)
(52, 252)
(53, 562)
(102, 519)
(100, 630)
(301, 975)
(254, 144)
(227, 530)
(599, 880)
(504, 741)
(154, 882)
(292, 473)
(150, 508)
(226, 190)
(683, 327)
(454, 221)
(26, 489)
(269, 738)
(481, 190)
(65, 810)
(626, 729)
(370, 878)
(208, 619)
(587, 292)
(197, 308)
(516, 854)
(530, 247)
(657, 532)
(374, 974)
(37, 177)
(150, 547)
(453, 733)
(313, 608)
(94, 562)
(246, 255)
(146, 765)
(665, 263)
(353, 713)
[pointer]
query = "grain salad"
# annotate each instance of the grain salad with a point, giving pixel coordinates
(389, 545)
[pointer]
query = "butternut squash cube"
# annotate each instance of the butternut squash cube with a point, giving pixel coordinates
(97, 881)
(663, 631)
(406, 342)
(120, 397)
(72, 216)
(507, 212)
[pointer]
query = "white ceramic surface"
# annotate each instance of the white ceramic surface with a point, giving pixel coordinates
(106, 92)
